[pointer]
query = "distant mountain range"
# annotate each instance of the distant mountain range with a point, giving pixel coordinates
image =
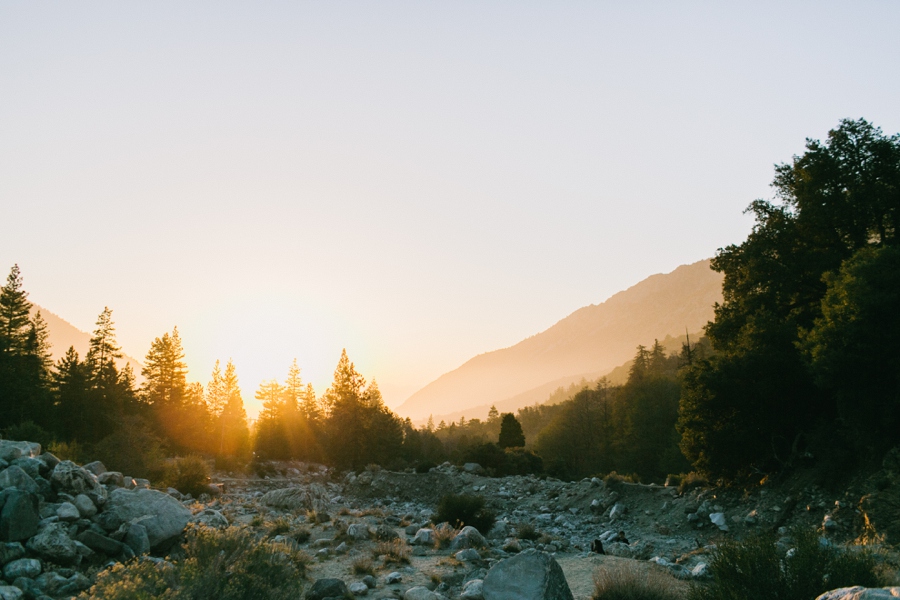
(64, 335)
(587, 344)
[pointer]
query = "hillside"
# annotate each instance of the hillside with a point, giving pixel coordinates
(588, 343)
(64, 335)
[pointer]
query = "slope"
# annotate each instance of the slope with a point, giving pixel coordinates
(588, 343)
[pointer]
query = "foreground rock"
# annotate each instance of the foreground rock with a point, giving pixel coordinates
(309, 498)
(861, 593)
(531, 575)
(162, 516)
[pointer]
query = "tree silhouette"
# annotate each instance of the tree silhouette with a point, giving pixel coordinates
(511, 434)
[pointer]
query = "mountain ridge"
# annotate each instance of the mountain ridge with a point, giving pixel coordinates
(593, 339)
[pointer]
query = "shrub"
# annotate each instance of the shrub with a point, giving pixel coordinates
(465, 509)
(526, 531)
(188, 475)
(363, 566)
(279, 526)
(614, 480)
(302, 535)
(226, 564)
(690, 481)
(29, 431)
(443, 535)
(394, 552)
(67, 451)
(755, 569)
(133, 449)
(622, 583)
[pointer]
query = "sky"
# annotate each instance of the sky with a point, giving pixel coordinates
(416, 182)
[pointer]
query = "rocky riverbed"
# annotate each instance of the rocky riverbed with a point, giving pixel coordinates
(373, 532)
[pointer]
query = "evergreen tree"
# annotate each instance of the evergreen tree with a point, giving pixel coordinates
(74, 409)
(165, 390)
(234, 434)
(511, 434)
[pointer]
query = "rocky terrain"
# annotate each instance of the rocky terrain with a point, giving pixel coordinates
(373, 534)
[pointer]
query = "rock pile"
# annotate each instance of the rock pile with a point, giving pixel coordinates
(57, 517)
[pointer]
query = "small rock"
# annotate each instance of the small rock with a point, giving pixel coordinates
(370, 582)
(68, 512)
(342, 548)
(392, 578)
(468, 537)
(358, 588)
(85, 506)
(10, 592)
(358, 531)
(718, 519)
(11, 551)
(423, 537)
(96, 467)
(467, 555)
(420, 593)
(473, 468)
(473, 590)
(327, 588)
(23, 567)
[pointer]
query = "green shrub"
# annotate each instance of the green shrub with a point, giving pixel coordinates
(188, 475)
(133, 449)
(465, 509)
(226, 564)
(622, 583)
(67, 451)
(29, 431)
(755, 569)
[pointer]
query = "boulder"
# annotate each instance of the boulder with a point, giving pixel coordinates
(327, 588)
(136, 538)
(112, 479)
(85, 506)
(358, 531)
(468, 537)
(211, 518)
(52, 543)
(423, 537)
(11, 551)
(32, 466)
(70, 478)
(309, 498)
(100, 543)
(96, 467)
(15, 477)
(392, 578)
(420, 592)
(11, 592)
(68, 512)
(10, 450)
(23, 567)
(359, 589)
(473, 468)
(861, 593)
(718, 519)
(530, 575)
(165, 519)
(473, 590)
(467, 555)
(20, 516)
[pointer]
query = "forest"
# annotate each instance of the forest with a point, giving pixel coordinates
(799, 368)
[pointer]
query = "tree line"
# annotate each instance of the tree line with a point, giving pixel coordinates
(800, 366)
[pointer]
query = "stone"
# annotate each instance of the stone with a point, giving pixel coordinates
(473, 468)
(370, 582)
(53, 543)
(96, 467)
(473, 590)
(15, 477)
(211, 518)
(861, 593)
(11, 551)
(68, 512)
(423, 537)
(358, 531)
(327, 588)
(75, 584)
(32, 466)
(468, 537)
(111, 479)
(136, 538)
(467, 555)
(50, 582)
(310, 498)
(342, 548)
(23, 567)
(617, 511)
(358, 588)
(20, 516)
(499, 531)
(166, 517)
(420, 592)
(718, 519)
(11, 592)
(530, 575)
(392, 578)
(48, 459)
(86, 507)
(100, 543)
(10, 450)
(70, 478)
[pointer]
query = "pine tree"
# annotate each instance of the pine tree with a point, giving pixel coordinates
(165, 372)
(15, 309)
(511, 434)
(234, 434)
(74, 408)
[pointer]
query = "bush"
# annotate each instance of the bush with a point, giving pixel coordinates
(690, 481)
(133, 449)
(755, 569)
(29, 431)
(226, 564)
(526, 531)
(465, 509)
(188, 475)
(363, 566)
(67, 451)
(394, 552)
(614, 480)
(622, 583)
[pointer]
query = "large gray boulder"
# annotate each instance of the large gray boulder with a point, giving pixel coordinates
(163, 516)
(20, 516)
(73, 480)
(15, 477)
(531, 575)
(10, 451)
(52, 543)
(327, 588)
(861, 593)
(311, 497)
(468, 537)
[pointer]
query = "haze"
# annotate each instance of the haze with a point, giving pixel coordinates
(418, 183)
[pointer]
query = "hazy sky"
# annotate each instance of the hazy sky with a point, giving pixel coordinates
(418, 182)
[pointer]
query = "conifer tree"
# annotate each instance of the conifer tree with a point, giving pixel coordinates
(234, 434)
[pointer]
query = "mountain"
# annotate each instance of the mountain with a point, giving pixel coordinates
(64, 335)
(587, 344)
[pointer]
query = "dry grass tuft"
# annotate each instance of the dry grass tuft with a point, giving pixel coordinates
(623, 583)
(443, 535)
(393, 552)
(363, 566)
